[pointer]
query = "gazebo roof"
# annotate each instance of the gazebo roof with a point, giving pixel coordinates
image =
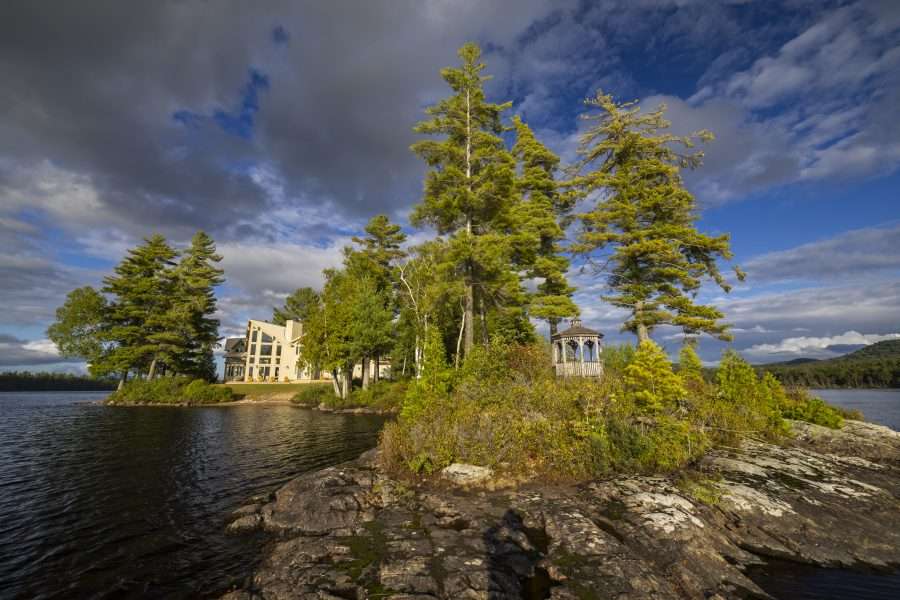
(576, 330)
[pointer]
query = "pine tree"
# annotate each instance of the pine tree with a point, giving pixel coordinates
(197, 275)
(142, 289)
(650, 381)
(690, 369)
(539, 228)
(375, 259)
(642, 230)
(297, 306)
(469, 188)
(377, 252)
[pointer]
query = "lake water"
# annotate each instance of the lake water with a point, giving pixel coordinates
(878, 406)
(111, 502)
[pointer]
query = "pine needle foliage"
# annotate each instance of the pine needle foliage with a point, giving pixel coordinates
(641, 232)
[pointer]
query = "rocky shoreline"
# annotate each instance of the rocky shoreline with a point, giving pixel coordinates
(831, 498)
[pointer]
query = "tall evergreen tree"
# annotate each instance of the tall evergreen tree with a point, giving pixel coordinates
(642, 229)
(374, 260)
(142, 288)
(539, 227)
(196, 276)
(469, 187)
(297, 306)
(377, 253)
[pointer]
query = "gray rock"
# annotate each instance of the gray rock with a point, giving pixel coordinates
(829, 499)
(463, 474)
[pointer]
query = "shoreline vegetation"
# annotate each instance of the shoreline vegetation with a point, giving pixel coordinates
(873, 367)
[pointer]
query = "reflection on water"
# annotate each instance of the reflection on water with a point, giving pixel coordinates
(110, 502)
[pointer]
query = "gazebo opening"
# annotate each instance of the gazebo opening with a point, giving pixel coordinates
(576, 351)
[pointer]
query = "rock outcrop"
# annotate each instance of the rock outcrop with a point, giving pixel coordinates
(831, 498)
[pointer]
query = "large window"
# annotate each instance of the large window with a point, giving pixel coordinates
(253, 336)
(266, 350)
(267, 339)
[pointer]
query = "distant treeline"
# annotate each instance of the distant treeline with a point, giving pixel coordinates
(875, 366)
(871, 373)
(24, 381)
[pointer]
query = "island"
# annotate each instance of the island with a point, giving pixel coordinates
(353, 531)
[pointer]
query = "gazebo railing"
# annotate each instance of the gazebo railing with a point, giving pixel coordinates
(579, 369)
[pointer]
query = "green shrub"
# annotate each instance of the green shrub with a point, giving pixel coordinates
(313, 394)
(616, 358)
(506, 410)
(800, 405)
(170, 390)
(650, 382)
(381, 395)
(690, 369)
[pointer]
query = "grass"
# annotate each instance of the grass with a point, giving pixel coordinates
(264, 389)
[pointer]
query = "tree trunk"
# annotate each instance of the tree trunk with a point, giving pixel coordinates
(365, 372)
(348, 381)
(469, 314)
(122, 380)
(459, 338)
(484, 330)
(375, 373)
(336, 383)
(643, 334)
(553, 323)
(469, 310)
(152, 373)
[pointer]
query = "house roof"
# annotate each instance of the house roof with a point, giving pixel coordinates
(234, 344)
(577, 329)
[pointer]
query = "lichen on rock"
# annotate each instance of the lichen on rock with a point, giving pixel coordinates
(352, 531)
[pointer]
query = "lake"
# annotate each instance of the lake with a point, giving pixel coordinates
(878, 406)
(111, 502)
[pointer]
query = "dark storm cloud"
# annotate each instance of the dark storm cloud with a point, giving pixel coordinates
(91, 88)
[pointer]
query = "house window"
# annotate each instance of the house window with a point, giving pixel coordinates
(253, 336)
(266, 350)
(278, 350)
(267, 339)
(264, 360)
(276, 372)
(250, 371)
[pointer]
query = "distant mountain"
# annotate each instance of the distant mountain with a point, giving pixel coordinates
(885, 349)
(873, 366)
(844, 348)
(796, 361)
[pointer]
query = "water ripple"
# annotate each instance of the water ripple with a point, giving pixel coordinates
(103, 502)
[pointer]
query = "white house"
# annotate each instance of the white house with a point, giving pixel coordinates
(270, 352)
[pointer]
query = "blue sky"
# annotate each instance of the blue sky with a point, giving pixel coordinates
(281, 131)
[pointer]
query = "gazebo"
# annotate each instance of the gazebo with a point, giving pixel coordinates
(576, 351)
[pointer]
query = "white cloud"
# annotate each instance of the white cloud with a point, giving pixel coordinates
(813, 345)
(849, 255)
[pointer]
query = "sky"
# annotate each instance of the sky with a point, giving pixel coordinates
(281, 128)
